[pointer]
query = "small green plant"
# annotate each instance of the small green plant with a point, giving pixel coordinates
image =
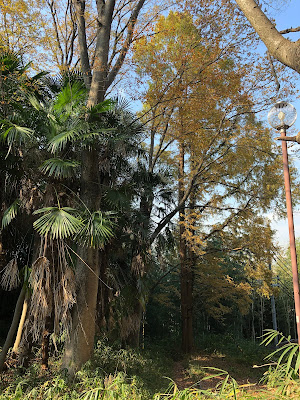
(195, 371)
(283, 371)
(227, 387)
(173, 393)
(113, 387)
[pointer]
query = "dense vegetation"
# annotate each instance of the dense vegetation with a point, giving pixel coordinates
(134, 241)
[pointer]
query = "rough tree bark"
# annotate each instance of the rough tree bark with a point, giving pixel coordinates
(281, 48)
(80, 347)
(186, 278)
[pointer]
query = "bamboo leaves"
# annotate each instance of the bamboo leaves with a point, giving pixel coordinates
(288, 352)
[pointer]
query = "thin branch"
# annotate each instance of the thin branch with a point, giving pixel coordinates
(273, 71)
(130, 31)
(290, 30)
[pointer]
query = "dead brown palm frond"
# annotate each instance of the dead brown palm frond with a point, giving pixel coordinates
(129, 324)
(10, 278)
(64, 291)
(64, 299)
(42, 295)
(138, 265)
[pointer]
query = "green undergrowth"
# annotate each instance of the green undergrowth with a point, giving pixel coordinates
(247, 351)
(119, 374)
(235, 356)
(113, 373)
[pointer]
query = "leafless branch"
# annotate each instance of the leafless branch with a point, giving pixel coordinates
(290, 30)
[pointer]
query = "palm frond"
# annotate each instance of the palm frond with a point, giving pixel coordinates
(93, 135)
(14, 133)
(10, 61)
(36, 104)
(119, 199)
(58, 222)
(59, 168)
(96, 230)
(71, 94)
(123, 104)
(39, 76)
(69, 77)
(104, 106)
(10, 213)
(59, 141)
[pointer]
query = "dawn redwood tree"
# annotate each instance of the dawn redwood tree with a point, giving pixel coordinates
(201, 120)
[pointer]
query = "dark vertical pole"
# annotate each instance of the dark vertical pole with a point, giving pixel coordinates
(291, 231)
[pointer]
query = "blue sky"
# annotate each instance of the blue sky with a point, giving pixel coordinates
(287, 16)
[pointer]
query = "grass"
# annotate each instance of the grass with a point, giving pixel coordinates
(121, 374)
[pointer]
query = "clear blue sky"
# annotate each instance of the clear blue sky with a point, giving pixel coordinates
(287, 16)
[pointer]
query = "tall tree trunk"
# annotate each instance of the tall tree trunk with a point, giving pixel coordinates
(103, 308)
(79, 349)
(283, 49)
(186, 277)
(14, 325)
(139, 265)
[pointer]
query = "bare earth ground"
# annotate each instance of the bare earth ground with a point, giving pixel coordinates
(247, 377)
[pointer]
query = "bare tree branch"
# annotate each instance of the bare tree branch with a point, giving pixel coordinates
(128, 41)
(290, 30)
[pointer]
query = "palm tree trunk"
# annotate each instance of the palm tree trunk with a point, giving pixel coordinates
(21, 325)
(13, 328)
(80, 347)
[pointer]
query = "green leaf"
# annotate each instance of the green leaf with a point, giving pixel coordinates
(224, 385)
(104, 106)
(10, 213)
(58, 222)
(14, 133)
(70, 95)
(96, 230)
(36, 104)
(92, 135)
(59, 141)
(293, 351)
(59, 168)
(297, 363)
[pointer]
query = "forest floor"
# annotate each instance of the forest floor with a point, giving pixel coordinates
(159, 370)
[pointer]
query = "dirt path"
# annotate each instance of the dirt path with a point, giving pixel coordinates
(181, 378)
(198, 369)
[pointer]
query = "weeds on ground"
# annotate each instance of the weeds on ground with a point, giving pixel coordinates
(119, 374)
(284, 364)
(113, 373)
